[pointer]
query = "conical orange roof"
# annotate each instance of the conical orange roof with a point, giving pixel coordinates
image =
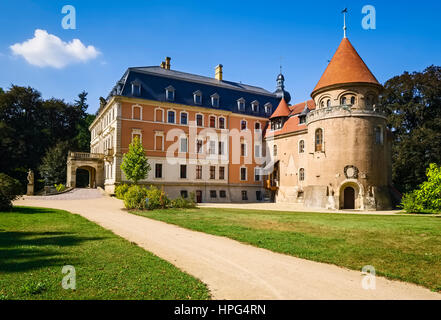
(282, 110)
(346, 66)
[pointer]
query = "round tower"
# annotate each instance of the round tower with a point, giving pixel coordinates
(349, 147)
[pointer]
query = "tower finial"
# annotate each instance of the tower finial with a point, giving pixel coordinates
(345, 10)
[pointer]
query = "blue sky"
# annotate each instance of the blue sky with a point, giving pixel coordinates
(247, 37)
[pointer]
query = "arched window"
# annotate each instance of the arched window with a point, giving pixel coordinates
(322, 104)
(318, 140)
(352, 100)
(328, 103)
(302, 146)
(343, 101)
(275, 150)
(302, 174)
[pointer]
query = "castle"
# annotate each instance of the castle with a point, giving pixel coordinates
(231, 142)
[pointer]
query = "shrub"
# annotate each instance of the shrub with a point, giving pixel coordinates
(427, 198)
(135, 197)
(157, 199)
(121, 190)
(60, 187)
(10, 189)
(184, 203)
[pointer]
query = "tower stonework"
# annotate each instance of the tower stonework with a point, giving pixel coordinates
(339, 155)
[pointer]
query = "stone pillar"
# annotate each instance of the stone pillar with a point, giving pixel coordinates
(30, 191)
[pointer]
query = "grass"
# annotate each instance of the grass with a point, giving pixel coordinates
(35, 244)
(406, 248)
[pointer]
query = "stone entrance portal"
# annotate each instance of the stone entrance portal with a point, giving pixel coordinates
(93, 163)
(349, 198)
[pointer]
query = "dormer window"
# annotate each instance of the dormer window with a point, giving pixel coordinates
(268, 108)
(170, 93)
(215, 100)
(136, 88)
(197, 97)
(241, 104)
(302, 119)
(255, 106)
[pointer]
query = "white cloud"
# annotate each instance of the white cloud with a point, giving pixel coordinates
(47, 50)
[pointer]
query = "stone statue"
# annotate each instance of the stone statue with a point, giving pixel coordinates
(30, 191)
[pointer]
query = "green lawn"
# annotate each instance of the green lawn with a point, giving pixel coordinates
(399, 247)
(35, 244)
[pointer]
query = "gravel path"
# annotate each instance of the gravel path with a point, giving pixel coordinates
(233, 270)
(75, 194)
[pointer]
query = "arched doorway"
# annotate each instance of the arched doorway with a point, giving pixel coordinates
(85, 177)
(349, 198)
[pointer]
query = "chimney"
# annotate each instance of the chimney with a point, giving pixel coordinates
(218, 72)
(163, 65)
(167, 63)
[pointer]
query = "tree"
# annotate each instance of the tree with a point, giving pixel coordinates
(135, 165)
(53, 164)
(427, 198)
(10, 189)
(413, 103)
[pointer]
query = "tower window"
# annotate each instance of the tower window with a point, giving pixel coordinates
(343, 101)
(302, 174)
(378, 135)
(352, 100)
(328, 103)
(275, 150)
(318, 140)
(302, 146)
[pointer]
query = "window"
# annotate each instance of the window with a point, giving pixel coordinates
(199, 144)
(268, 108)
(301, 146)
(275, 150)
(244, 195)
(212, 172)
(221, 148)
(257, 126)
(198, 172)
(158, 170)
(243, 125)
(257, 174)
(212, 147)
(221, 123)
(241, 104)
(212, 122)
(352, 100)
(159, 115)
(221, 173)
(222, 194)
(199, 120)
(302, 174)
(197, 97)
(213, 194)
(184, 145)
(257, 153)
(184, 193)
(158, 142)
(302, 119)
(343, 101)
(136, 135)
(378, 135)
(318, 140)
(255, 106)
(259, 195)
(171, 117)
(215, 100)
(243, 149)
(136, 112)
(328, 103)
(183, 171)
(136, 89)
(184, 118)
(243, 174)
(170, 93)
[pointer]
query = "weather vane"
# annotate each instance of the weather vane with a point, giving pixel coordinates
(345, 10)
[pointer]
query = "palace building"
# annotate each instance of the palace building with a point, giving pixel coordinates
(231, 142)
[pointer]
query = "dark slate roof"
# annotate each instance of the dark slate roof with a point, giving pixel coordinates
(154, 80)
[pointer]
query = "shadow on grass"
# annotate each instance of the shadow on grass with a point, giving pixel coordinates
(24, 251)
(30, 210)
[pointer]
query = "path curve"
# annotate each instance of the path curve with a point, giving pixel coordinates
(233, 270)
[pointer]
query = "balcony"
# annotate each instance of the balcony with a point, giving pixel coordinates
(85, 156)
(343, 111)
